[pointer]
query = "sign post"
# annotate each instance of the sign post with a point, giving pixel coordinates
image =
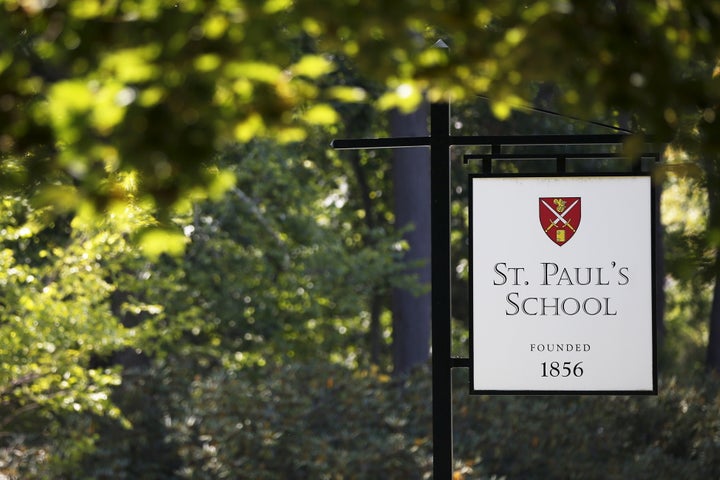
(441, 144)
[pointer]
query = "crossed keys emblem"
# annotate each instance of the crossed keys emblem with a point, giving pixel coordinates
(560, 217)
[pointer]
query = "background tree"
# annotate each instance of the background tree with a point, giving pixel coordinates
(411, 187)
(710, 162)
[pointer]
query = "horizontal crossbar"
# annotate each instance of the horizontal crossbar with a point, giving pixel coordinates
(363, 143)
(477, 140)
(550, 156)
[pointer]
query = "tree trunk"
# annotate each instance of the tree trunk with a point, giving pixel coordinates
(659, 266)
(713, 351)
(712, 170)
(711, 166)
(411, 184)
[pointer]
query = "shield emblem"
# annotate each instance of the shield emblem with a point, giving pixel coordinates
(560, 218)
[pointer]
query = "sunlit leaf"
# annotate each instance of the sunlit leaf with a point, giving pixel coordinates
(348, 94)
(249, 128)
(215, 26)
(501, 109)
(312, 66)
(290, 135)
(222, 181)
(156, 241)
(207, 62)
(321, 114)
(132, 65)
(274, 6)
(259, 71)
(63, 197)
(406, 97)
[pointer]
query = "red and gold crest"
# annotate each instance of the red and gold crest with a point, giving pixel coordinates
(560, 217)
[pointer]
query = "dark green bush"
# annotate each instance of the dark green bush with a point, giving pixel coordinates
(326, 422)
(673, 435)
(320, 421)
(314, 422)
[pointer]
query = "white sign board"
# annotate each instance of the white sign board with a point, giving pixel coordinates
(561, 285)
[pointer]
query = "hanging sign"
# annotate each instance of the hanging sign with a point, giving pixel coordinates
(561, 285)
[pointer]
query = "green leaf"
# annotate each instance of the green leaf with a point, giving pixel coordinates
(155, 241)
(348, 94)
(322, 114)
(312, 66)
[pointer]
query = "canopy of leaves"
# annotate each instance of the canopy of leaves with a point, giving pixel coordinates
(91, 88)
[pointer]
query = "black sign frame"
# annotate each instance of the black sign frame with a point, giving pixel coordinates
(636, 172)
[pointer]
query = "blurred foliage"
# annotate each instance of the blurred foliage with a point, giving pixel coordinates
(198, 129)
(303, 421)
(283, 268)
(315, 420)
(55, 314)
(247, 356)
(276, 271)
(673, 435)
(690, 272)
(92, 88)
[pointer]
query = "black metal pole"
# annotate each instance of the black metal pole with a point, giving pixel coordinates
(441, 277)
